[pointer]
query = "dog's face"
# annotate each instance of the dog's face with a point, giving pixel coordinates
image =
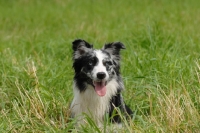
(95, 67)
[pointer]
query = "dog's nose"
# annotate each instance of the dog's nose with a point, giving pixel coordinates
(101, 75)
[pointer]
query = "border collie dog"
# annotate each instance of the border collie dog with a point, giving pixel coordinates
(97, 82)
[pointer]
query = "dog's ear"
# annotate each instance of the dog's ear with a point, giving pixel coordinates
(80, 47)
(114, 49)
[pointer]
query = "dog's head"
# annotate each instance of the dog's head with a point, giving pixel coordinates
(95, 67)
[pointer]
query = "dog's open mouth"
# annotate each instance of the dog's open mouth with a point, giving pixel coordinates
(100, 87)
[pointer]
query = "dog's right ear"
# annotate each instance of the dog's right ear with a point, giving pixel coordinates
(80, 47)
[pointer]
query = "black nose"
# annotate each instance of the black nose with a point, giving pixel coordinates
(101, 75)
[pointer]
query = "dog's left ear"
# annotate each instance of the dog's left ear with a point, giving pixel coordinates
(114, 49)
(80, 47)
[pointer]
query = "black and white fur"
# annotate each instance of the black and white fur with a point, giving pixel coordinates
(97, 82)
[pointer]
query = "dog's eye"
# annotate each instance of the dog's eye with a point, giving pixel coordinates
(107, 63)
(90, 63)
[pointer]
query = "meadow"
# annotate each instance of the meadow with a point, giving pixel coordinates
(160, 65)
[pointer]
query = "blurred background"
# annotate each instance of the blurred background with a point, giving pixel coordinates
(160, 66)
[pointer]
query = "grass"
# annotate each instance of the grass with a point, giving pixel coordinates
(160, 66)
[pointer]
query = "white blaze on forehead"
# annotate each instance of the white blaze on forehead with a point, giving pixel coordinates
(100, 55)
(100, 67)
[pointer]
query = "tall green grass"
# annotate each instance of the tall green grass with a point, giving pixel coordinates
(160, 66)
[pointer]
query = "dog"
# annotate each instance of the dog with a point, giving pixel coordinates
(97, 83)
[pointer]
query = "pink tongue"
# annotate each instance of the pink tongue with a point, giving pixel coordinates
(100, 88)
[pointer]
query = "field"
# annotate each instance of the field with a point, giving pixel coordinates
(160, 65)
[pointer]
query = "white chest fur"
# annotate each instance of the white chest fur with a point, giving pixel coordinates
(90, 103)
